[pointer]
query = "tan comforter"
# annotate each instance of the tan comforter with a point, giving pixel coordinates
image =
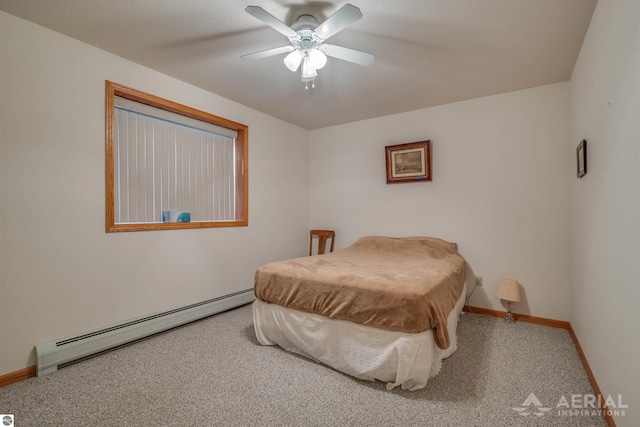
(402, 284)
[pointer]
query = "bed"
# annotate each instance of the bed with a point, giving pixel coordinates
(383, 308)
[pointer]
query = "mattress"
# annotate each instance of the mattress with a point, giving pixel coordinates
(401, 359)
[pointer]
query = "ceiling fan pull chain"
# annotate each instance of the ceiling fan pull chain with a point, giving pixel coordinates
(313, 83)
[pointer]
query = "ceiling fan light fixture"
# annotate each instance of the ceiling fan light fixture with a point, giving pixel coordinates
(318, 58)
(292, 60)
(309, 71)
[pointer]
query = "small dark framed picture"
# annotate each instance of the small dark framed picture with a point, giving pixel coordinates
(408, 162)
(581, 155)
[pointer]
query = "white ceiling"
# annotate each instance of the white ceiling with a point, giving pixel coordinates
(427, 52)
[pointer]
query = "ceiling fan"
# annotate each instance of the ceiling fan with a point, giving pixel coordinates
(307, 38)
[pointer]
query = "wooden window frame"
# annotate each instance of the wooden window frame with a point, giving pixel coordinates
(241, 167)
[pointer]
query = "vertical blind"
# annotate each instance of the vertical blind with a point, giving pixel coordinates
(165, 161)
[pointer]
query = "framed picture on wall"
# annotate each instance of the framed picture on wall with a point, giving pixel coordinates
(408, 162)
(581, 154)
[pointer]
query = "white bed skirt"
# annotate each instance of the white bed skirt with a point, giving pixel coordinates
(400, 359)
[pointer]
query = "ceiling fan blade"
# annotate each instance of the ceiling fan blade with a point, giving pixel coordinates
(344, 17)
(270, 20)
(268, 52)
(346, 54)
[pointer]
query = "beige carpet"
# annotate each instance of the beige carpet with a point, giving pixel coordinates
(214, 373)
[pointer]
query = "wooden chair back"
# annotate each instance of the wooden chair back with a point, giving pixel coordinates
(322, 235)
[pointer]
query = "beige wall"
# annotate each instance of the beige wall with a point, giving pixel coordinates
(61, 274)
(605, 206)
(499, 189)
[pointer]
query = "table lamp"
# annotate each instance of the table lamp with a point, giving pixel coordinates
(509, 290)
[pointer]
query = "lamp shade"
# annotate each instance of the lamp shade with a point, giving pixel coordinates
(308, 70)
(509, 290)
(293, 60)
(318, 59)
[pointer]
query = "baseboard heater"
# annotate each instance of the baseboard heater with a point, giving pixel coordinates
(54, 354)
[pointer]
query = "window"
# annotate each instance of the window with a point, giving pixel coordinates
(169, 166)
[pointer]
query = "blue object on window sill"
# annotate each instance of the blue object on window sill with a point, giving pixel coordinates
(176, 216)
(184, 217)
